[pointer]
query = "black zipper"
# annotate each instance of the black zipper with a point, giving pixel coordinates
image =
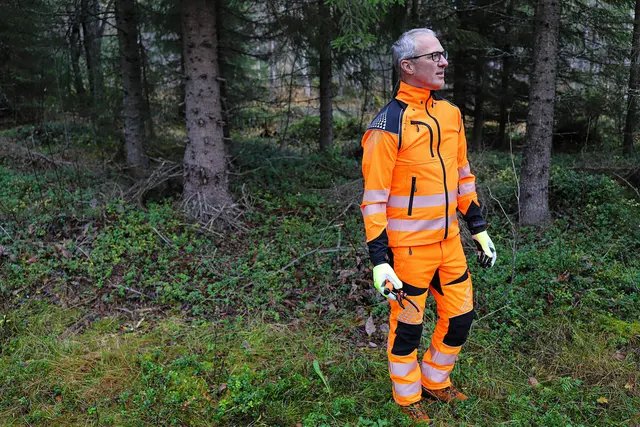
(413, 192)
(444, 173)
(414, 122)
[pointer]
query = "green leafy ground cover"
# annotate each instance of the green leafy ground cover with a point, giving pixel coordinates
(117, 314)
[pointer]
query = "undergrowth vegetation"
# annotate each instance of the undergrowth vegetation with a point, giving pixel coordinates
(117, 313)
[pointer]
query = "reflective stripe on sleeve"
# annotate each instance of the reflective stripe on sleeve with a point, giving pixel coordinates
(402, 369)
(373, 209)
(407, 390)
(434, 374)
(441, 358)
(376, 196)
(464, 171)
(467, 188)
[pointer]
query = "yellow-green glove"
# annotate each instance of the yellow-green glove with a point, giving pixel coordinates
(383, 273)
(486, 251)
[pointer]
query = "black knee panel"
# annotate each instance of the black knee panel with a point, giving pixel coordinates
(458, 329)
(407, 339)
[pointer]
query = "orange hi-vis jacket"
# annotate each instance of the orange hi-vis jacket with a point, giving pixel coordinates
(416, 174)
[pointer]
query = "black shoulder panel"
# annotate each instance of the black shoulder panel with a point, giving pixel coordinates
(439, 97)
(390, 117)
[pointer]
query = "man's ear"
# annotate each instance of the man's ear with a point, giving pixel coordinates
(407, 67)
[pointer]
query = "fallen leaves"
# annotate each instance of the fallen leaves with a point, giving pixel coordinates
(619, 356)
(370, 327)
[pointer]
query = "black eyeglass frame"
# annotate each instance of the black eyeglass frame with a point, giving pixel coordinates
(440, 54)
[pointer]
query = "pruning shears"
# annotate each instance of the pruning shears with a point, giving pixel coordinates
(401, 296)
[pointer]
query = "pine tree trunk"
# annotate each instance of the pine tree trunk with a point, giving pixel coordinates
(76, 52)
(460, 81)
(478, 113)
(631, 126)
(148, 121)
(505, 94)
(273, 75)
(224, 93)
(133, 108)
(536, 158)
(205, 173)
(326, 108)
(91, 29)
(305, 76)
(505, 100)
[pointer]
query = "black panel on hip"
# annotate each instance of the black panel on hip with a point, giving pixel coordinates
(407, 339)
(435, 282)
(413, 291)
(460, 279)
(458, 329)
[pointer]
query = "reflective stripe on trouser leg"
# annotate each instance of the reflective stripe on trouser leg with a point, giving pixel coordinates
(405, 331)
(405, 379)
(455, 314)
(404, 339)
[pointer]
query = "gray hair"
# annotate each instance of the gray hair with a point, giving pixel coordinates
(405, 46)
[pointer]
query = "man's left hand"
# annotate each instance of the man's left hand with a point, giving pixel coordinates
(485, 249)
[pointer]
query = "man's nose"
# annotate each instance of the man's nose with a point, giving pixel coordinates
(443, 62)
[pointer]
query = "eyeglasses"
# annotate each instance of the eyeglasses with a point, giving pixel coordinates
(435, 56)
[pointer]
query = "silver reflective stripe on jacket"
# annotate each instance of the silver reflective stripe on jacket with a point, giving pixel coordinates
(373, 209)
(464, 171)
(419, 224)
(467, 188)
(375, 196)
(420, 201)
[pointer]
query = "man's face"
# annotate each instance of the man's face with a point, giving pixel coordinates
(424, 72)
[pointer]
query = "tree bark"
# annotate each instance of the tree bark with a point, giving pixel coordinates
(536, 158)
(222, 60)
(273, 76)
(148, 121)
(76, 52)
(206, 180)
(633, 102)
(305, 76)
(133, 104)
(460, 81)
(92, 31)
(326, 97)
(505, 94)
(478, 112)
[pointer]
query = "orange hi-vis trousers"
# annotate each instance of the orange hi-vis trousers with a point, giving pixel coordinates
(441, 268)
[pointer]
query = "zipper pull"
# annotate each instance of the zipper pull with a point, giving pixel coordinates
(410, 251)
(417, 128)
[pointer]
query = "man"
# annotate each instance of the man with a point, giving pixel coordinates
(416, 175)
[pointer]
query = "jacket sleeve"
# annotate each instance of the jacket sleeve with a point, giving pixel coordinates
(468, 203)
(380, 150)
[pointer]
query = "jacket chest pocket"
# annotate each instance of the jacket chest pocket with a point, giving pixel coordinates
(424, 127)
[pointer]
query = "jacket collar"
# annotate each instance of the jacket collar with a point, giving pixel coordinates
(413, 95)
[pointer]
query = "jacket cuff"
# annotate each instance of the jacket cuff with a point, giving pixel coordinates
(378, 248)
(474, 220)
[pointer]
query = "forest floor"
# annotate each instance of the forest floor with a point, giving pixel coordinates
(116, 310)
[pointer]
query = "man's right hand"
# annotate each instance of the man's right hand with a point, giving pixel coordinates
(383, 273)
